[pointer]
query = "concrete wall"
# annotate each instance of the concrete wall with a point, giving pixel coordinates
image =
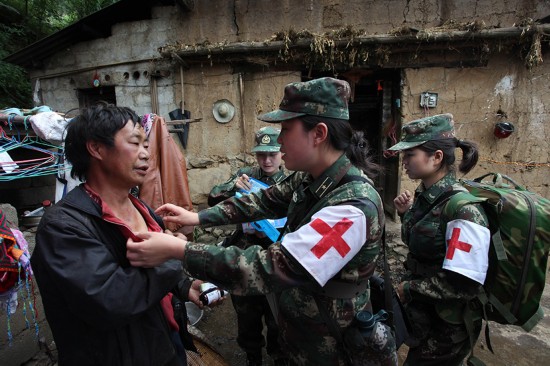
(127, 58)
(215, 150)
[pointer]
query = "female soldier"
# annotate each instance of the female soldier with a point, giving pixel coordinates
(447, 260)
(253, 310)
(320, 268)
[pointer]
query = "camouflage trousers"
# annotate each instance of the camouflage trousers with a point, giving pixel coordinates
(435, 341)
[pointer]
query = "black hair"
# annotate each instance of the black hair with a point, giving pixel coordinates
(343, 137)
(470, 153)
(98, 123)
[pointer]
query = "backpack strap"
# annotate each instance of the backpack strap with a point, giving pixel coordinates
(334, 328)
(458, 200)
(442, 198)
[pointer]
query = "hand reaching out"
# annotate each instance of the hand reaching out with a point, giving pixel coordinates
(154, 249)
(178, 215)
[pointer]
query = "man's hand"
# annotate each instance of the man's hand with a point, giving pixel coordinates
(154, 249)
(177, 215)
(403, 202)
(243, 182)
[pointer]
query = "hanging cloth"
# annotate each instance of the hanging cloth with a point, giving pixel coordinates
(166, 180)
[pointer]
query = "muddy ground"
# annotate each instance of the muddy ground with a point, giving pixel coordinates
(512, 346)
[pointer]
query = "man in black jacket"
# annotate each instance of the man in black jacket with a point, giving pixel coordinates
(101, 310)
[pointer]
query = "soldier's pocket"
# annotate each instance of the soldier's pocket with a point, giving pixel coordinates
(425, 239)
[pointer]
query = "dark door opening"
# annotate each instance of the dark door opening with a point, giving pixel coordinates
(375, 109)
(91, 96)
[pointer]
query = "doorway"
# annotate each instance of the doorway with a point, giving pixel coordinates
(90, 96)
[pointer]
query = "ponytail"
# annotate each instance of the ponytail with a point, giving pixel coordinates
(470, 154)
(358, 153)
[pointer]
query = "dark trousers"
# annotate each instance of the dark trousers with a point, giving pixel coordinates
(180, 350)
(252, 311)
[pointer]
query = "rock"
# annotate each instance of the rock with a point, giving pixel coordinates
(11, 215)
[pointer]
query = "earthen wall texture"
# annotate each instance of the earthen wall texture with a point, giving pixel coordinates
(479, 98)
(130, 56)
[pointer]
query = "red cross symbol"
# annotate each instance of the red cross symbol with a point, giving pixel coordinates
(332, 237)
(454, 243)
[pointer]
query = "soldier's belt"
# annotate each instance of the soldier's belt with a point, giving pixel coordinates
(343, 290)
(420, 269)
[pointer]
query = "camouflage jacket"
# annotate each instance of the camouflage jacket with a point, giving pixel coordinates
(225, 190)
(426, 280)
(255, 271)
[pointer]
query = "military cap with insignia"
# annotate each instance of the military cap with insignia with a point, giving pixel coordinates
(266, 140)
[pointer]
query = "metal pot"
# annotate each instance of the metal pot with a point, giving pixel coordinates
(30, 221)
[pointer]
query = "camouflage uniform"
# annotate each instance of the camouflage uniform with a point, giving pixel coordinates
(251, 309)
(436, 299)
(305, 336)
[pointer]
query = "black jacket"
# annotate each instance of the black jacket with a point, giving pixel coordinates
(101, 310)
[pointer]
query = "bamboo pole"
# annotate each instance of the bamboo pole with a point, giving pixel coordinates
(244, 132)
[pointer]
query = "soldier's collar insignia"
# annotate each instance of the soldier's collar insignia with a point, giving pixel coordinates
(324, 187)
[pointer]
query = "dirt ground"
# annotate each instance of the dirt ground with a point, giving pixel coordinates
(512, 346)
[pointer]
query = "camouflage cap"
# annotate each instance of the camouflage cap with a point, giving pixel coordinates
(266, 140)
(417, 132)
(324, 97)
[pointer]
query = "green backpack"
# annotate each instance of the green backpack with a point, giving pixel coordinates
(519, 222)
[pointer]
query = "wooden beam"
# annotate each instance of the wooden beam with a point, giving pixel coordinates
(180, 121)
(421, 37)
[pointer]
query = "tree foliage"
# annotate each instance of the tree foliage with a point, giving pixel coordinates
(23, 22)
